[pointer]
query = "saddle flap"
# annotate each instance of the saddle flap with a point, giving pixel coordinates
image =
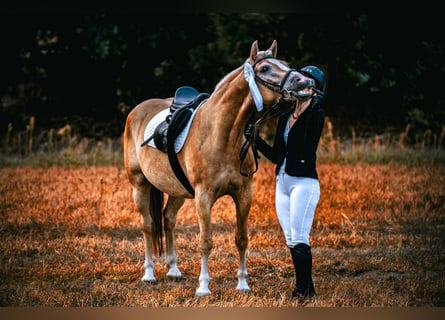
(183, 96)
(181, 116)
(160, 136)
(177, 124)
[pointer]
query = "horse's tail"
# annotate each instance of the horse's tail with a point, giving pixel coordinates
(156, 212)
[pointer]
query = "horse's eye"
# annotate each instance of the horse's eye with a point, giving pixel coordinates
(265, 68)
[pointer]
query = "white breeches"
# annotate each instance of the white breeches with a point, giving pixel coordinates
(295, 201)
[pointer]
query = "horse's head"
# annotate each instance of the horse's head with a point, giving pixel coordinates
(275, 77)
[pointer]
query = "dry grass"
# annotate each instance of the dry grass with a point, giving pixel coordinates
(70, 237)
(65, 147)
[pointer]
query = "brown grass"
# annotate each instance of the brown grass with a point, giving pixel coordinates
(70, 237)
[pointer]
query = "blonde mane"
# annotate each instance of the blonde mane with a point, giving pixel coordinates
(227, 79)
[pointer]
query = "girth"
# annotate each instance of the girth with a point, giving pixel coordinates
(184, 103)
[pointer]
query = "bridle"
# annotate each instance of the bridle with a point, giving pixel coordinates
(269, 114)
(278, 88)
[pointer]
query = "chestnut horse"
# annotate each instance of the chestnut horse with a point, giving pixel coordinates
(209, 159)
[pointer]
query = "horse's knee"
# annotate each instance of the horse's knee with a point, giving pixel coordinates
(206, 246)
(241, 241)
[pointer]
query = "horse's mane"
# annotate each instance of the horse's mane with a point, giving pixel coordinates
(227, 79)
(231, 75)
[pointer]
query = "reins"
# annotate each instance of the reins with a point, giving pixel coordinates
(251, 140)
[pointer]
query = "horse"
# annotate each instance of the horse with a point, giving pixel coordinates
(209, 158)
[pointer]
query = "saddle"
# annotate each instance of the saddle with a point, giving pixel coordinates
(184, 103)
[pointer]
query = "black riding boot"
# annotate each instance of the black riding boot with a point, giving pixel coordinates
(302, 258)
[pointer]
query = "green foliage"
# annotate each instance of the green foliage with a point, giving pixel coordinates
(101, 38)
(101, 65)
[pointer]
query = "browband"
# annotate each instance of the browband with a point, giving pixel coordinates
(261, 59)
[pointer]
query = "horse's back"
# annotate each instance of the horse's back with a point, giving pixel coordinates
(142, 114)
(147, 109)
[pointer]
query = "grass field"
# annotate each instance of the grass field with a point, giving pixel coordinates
(69, 236)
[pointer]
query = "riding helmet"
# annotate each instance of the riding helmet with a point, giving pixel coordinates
(316, 74)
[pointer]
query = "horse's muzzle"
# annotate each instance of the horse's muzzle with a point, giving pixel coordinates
(297, 87)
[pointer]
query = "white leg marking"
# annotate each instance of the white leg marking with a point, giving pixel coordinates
(173, 271)
(242, 276)
(149, 272)
(204, 278)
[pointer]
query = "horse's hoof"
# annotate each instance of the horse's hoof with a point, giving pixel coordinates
(174, 278)
(243, 287)
(244, 290)
(202, 293)
(174, 274)
(148, 280)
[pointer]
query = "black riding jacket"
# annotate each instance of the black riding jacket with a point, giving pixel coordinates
(302, 143)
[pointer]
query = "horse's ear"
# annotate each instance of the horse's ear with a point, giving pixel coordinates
(273, 48)
(253, 51)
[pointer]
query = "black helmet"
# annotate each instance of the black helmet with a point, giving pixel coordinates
(316, 74)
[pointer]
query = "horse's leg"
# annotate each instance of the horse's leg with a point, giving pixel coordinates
(171, 211)
(243, 203)
(203, 207)
(141, 196)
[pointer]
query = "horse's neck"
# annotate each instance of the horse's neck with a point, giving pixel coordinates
(230, 108)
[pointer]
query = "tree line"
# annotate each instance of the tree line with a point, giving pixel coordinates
(92, 69)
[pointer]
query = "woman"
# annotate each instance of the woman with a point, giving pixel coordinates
(297, 187)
